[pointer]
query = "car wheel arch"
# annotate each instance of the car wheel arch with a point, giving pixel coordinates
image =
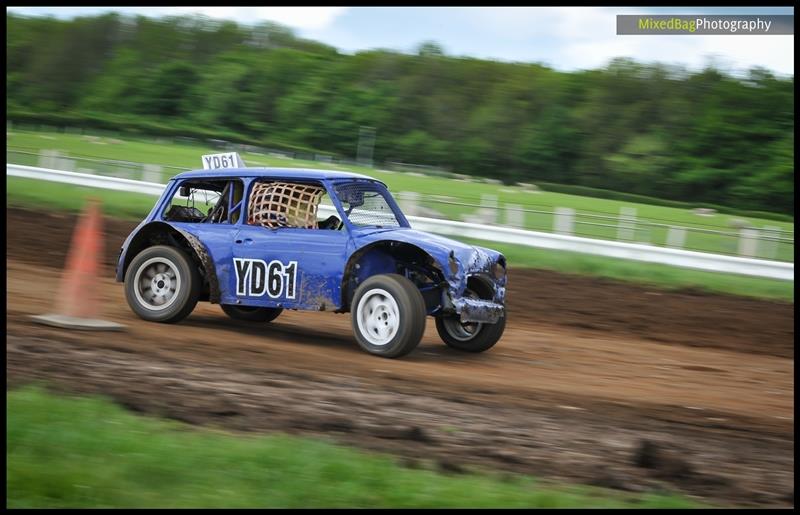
(155, 233)
(391, 248)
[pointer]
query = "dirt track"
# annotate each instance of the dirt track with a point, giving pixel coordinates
(592, 383)
(688, 317)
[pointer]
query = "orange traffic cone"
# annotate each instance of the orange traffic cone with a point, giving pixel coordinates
(77, 305)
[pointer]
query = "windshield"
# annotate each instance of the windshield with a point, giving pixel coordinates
(365, 204)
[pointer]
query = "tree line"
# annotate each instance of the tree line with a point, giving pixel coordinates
(645, 129)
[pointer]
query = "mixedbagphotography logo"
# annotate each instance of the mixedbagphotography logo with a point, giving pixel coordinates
(628, 24)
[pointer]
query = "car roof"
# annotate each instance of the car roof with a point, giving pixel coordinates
(283, 173)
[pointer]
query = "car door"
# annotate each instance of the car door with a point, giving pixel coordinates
(208, 211)
(286, 266)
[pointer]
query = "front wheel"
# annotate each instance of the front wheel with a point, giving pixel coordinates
(469, 336)
(388, 315)
(251, 313)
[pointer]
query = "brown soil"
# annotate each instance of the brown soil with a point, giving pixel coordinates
(691, 318)
(700, 402)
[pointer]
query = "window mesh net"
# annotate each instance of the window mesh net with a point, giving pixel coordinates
(284, 204)
(366, 206)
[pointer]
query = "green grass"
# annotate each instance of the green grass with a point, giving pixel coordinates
(187, 156)
(69, 452)
(55, 196)
(656, 275)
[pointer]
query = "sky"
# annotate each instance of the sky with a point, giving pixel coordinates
(564, 38)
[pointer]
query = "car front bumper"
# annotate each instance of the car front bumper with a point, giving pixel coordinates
(477, 310)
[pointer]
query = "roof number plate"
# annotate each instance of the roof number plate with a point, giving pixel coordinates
(226, 160)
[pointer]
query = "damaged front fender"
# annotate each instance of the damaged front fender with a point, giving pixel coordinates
(458, 263)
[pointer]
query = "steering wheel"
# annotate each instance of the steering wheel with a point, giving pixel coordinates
(215, 214)
(218, 214)
(332, 222)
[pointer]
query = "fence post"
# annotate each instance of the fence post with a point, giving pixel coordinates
(515, 216)
(489, 208)
(151, 173)
(564, 220)
(626, 230)
(748, 242)
(769, 241)
(47, 158)
(676, 237)
(53, 159)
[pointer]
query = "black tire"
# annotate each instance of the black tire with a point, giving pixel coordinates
(472, 337)
(406, 311)
(186, 279)
(251, 313)
(484, 337)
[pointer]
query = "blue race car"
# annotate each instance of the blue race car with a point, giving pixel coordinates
(261, 240)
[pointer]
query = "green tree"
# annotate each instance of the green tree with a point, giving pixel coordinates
(651, 129)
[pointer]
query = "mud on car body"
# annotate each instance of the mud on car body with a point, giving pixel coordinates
(261, 240)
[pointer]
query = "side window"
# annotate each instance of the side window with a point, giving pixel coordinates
(206, 201)
(275, 204)
(366, 204)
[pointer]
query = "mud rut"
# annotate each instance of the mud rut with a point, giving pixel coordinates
(595, 382)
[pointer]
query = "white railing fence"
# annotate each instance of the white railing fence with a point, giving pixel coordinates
(615, 249)
(703, 230)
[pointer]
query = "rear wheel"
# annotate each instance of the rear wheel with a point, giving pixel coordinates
(251, 313)
(388, 315)
(162, 284)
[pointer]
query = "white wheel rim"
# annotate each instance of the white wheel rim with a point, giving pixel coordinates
(157, 283)
(378, 317)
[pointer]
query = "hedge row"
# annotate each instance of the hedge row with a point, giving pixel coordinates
(143, 126)
(587, 191)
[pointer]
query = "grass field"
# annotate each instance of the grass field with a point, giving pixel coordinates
(71, 452)
(446, 196)
(55, 196)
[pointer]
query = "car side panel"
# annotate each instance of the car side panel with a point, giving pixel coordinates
(286, 267)
(213, 240)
